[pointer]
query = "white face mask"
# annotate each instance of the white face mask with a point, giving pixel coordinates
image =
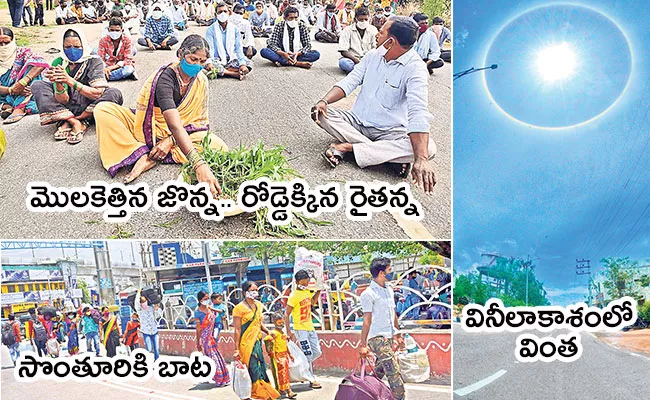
(115, 35)
(156, 14)
(253, 294)
(236, 18)
(127, 8)
(292, 24)
(381, 49)
(302, 287)
(363, 24)
(223, 17)
(206, 302)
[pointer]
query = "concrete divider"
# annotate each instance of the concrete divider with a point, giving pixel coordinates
(339, 348)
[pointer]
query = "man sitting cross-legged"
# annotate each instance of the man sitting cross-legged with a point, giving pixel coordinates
(390, 120)
(225, 42)
(289, 44)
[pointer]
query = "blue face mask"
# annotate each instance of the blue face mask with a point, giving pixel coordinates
(330, 14)
(191, 70)
(73, 53)
(390, 276)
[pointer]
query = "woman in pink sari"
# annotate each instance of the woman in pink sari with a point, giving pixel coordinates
(205, 341)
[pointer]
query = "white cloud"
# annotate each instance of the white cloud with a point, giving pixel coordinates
(460, 38)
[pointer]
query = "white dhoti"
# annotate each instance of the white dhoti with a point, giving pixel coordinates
(371, 146)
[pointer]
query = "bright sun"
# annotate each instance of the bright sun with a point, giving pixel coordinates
(556, 62)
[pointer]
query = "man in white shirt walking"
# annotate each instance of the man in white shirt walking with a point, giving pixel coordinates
(390, 119)
(380, 327)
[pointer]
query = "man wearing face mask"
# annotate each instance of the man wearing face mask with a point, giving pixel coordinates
(379, 19)
(356, 40)
(272, 11)
(260, 21)
(390, 119)
(237, 17)
(64, 15)
(206, 14)
(299, 307)
(328, 28)
(346, 16)
(116, 50)
(158, 31)
(131, 19)
(380, 326)
(148, 324)
(179, 16)
(226, 52)
(427, 45)
(91, 330)
(444, 35)
(306, 13)
(89, 13)
(289, 44)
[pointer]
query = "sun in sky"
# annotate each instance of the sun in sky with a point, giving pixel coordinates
(556, 62)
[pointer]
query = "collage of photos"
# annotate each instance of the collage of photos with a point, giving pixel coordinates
(290, 199)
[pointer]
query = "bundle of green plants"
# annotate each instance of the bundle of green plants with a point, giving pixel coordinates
(236, 166)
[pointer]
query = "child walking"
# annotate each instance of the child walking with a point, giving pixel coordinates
(276, 347)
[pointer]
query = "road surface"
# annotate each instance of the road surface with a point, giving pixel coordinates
(485, 368)
(272, 105)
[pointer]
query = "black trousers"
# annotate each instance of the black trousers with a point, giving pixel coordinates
(434, 65)
(38, 15)
(446, 55)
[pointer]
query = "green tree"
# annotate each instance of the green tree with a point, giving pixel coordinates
(620, 277)
(81, 284)
(441, 8)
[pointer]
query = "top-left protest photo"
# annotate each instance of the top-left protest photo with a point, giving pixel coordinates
(240, 119)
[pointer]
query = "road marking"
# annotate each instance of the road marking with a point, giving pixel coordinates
(419, 388)
(148, 392)
(639, 355)
(478, 385)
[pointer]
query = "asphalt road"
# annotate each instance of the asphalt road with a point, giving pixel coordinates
(178, 390)
(271, 105)
(485, 368)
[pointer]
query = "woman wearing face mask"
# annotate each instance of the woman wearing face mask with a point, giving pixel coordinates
(170, 121)
(247, 320)
(19, 67)
(72, 333)
(76, 85)
(159, 29)
(205, 341)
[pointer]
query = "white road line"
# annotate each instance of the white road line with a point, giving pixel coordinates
(478, 385)
(639, 355)
(148, 392)
(419, 388)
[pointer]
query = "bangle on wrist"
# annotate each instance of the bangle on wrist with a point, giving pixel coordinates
(173, 140)
(10, 90)
(62, 91)
(324, 101)
(77, 86)
(23, 82)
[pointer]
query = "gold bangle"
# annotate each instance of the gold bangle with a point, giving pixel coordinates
(198, 164)
(23, 82)
(10, 90)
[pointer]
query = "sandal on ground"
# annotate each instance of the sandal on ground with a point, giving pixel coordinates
(401, 169)
(13, 118)
(6, 112)
(62, 133)
(76, 137)
(315, 385)
(291, 395)
(333, 159)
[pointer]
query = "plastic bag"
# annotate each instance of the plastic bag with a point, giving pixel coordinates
(53, 348)
(414, 366)
(299, 368)
(122, 350)
(241, 381)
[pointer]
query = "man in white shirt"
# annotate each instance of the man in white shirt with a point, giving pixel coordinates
(272, 11)
(306, 13)
(206, 13)
(179, 15)
(356, 40)
(380, 326)
(390, 119)
(246, 30)
(328, 27)
(64, 14)
(131, 18)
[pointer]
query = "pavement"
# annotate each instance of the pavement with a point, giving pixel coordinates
(178, 390)
(485, 368)
(272, 104)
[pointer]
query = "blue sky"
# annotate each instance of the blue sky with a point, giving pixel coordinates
(581, 192)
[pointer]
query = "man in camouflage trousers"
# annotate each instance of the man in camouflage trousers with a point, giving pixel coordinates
(380, 325)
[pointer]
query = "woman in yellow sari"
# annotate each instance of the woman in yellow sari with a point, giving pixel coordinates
(247, 320)
(169, 123)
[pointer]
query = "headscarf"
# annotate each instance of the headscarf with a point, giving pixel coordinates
(84, 44)
(7, 56)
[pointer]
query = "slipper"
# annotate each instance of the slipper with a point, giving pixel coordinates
(330, 156)
(76, 137)
(12, 119)
(62, 133)
(399, 170)
(5, 113)
(315, 385)
(52, 50)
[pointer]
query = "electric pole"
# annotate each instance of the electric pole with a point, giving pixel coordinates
(528, 264)
(583, 267)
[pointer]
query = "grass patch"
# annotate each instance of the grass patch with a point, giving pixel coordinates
(168, 224)
(4, 5)
(121, 232)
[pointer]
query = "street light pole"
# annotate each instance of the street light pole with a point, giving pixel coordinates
(206, 261)
(472, 70)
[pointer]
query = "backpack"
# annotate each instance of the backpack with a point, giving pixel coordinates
(40, 333)
(8, 334)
